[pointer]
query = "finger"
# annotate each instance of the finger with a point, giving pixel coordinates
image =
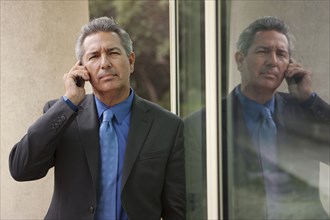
(85, 75)
(76, 66)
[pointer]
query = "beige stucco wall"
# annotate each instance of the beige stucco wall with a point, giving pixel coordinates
(309, 22)
(37, 48)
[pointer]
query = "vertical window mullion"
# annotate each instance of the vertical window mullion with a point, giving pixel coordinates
(212, 142)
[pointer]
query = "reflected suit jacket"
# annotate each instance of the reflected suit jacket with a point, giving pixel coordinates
(153, 184)
(303, 142)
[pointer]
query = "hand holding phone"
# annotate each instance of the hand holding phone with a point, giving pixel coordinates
(293, 76)
(299, 80)
(79, 81)
(74, 82)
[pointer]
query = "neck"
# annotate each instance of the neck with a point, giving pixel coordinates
(259, 95)
(112, 98)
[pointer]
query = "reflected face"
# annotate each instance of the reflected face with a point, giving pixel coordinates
(107, 63)
(264, 65)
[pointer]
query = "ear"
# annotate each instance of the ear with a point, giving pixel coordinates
(131, 59)
(239, 58)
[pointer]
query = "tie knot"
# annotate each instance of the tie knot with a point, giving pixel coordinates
(266, 113)
(107, 115)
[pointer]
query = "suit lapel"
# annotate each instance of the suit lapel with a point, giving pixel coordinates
(139, 128)
(88, 125)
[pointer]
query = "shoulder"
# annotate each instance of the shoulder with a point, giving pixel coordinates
(286, 98)
(228, 102)
(89, 98)
(148, 107)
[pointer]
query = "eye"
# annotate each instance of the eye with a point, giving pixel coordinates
(284, 55)
(114, 53)
(261, 51)
(92, 57)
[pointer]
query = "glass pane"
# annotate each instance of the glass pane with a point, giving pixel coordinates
(148, 24)
(288, 179)
(192, 102)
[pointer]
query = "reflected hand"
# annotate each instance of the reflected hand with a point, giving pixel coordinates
(299, 80)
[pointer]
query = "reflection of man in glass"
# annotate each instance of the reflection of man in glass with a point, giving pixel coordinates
(274, 140)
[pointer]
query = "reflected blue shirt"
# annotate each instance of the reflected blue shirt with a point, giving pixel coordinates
(252, 113)
(253, 119)
(121, 123)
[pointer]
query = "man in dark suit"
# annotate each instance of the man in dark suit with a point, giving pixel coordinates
(273, 176)
(150, 178)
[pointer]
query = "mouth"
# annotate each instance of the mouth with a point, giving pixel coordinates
(107, 76)
(269, 74)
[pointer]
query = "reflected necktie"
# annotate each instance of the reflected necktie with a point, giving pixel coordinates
(268, 151)
(268, 140)
(109, 165)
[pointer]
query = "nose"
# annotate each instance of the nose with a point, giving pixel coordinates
(105, 62)
(272, 59)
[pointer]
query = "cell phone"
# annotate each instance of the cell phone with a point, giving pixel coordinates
(79, 81)
(296, 78)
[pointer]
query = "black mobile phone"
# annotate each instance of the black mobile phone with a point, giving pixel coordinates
(79, 81)
(296, 78)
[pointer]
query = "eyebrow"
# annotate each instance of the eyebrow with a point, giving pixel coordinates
(113, 48)
(95, 51)
(269, 48)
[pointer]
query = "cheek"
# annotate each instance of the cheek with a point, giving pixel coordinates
(253, 69)
(92, 75)
(92, 69)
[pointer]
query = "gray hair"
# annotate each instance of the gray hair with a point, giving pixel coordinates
(102, 24)
(268, 23)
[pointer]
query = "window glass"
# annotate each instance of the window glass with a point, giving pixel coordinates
(192, 102)
(290, 180)
(147, 22)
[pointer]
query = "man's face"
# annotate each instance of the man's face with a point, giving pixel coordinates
(264, 65)
(107, 63)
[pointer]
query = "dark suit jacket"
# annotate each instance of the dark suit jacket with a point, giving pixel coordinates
(153, 183)
(303, 141)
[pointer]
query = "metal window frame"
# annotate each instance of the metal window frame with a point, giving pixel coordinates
(213, 117)
(213, 135)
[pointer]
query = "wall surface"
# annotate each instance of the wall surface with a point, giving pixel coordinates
(309, 23)
(37, 49)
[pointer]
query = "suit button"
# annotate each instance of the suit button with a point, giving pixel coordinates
(91, 209)
(56, 125)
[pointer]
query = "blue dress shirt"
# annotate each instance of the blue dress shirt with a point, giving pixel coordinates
(121, 123)
(253, 119)
(252, 113)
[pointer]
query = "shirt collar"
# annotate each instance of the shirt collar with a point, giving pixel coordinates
(252, 108)
(120, 110)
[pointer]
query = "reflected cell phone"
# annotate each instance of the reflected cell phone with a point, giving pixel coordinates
(296, 78)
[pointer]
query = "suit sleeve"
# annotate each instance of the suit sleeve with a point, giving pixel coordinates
(320, 110)
(34, 154)
(174, 195)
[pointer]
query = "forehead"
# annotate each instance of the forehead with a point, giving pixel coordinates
(270, 39)
(101, 40)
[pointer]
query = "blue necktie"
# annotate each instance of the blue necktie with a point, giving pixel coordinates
(268, 152)
(268, 140)
(107, 206)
